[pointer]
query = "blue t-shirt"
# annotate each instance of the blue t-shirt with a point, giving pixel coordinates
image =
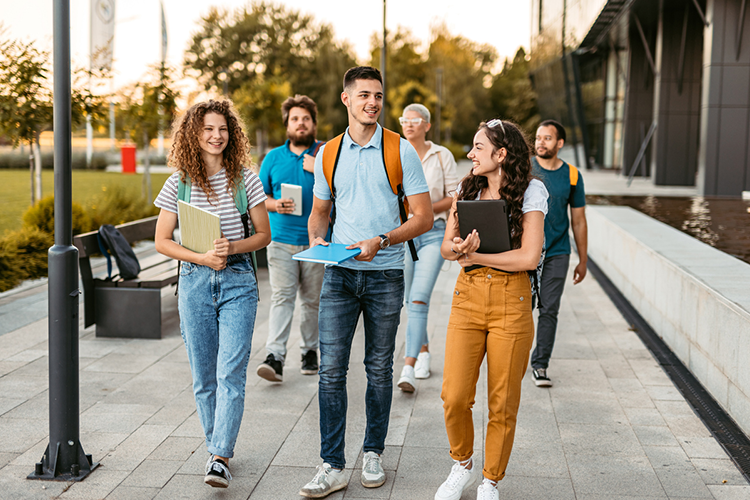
(282, 166)
(556, 223)
(365, 203)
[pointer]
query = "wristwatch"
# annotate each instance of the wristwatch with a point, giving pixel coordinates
(385, 242)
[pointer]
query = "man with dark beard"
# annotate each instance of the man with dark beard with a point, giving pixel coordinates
(291, 164)
(565, 187)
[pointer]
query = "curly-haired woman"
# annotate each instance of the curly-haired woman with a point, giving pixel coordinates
(491, 310)
(218, 292)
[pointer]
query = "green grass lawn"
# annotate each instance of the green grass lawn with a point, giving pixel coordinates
(15, 194)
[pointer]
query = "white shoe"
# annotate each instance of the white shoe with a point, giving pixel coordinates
(488, 491)
(372, 471)
(407, 382)
(422, 366)
(326, 481)
(459, 478)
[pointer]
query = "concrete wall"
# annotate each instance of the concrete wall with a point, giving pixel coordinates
(695, 297)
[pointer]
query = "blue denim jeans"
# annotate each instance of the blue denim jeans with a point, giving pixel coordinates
(288, 276)
(217, 316)
(419, 280)
(347, 293)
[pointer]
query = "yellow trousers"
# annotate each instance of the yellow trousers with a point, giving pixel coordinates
(491, 313)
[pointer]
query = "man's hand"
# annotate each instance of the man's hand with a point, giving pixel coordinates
(318, 241)
(285, 205)
(579, 273)
(369, 249)
(308, 164)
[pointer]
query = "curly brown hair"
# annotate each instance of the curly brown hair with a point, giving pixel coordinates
(186, 153)
(516, 173)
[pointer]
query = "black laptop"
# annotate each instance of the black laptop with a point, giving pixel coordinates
(490, 219)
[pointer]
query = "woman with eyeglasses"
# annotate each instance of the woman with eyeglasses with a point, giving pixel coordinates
(491, 309)
(440, 171)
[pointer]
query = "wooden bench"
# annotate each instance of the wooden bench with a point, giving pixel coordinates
(125, 308)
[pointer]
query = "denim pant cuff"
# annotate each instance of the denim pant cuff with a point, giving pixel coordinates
(218, 451)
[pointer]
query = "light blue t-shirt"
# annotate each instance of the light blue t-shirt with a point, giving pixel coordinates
(365, 203)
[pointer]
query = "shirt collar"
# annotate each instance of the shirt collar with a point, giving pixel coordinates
(374, 142)
(308, 151)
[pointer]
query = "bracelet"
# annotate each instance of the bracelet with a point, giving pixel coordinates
(454, 251)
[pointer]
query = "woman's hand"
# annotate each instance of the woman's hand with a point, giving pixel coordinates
(469, 245)
(466, 260)
(213, 260)
(222, 247)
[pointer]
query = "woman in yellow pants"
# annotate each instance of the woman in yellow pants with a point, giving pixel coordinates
(491, 310)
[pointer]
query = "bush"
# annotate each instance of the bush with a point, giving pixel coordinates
(42, 217)
(15, 159)
(9, 273)
(23, 255)
(117, 204)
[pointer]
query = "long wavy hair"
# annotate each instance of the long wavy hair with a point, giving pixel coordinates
(515, 177)
(186, 153)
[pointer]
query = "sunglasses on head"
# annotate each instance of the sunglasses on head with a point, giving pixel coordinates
(405, 121)
(494, 123)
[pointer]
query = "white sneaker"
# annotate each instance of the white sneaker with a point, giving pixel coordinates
(459, 478)
(488, 491)
(422, 366)
(372, 471)
(326, 481)
(407, 382)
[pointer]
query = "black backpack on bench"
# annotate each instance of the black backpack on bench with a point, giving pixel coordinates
(111, 241)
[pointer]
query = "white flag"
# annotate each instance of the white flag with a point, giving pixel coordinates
(102, 33)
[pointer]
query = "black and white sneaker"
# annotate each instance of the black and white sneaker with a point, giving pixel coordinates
(218, 474)
(271, 369)
(309, 363)
(540, 377)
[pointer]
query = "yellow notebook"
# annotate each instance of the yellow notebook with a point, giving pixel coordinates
(198, 228)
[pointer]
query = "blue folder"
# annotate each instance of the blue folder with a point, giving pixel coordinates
(334, 253)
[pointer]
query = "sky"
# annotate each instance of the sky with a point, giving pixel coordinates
(504, 24)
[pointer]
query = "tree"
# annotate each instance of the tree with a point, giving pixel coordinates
(512, 95)
(26, 102)
(254, 46)
(259, 104)
(148, 108)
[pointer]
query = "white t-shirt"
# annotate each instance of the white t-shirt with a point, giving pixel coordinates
(440, 173)
(224, 207)
(534, 198)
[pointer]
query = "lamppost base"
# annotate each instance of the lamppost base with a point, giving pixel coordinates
(48, 470)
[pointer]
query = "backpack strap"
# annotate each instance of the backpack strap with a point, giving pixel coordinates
(184, 189)
(240, 201)
(331, 156)
(391, 149)
(573, 183)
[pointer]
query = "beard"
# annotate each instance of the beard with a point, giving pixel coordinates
(305, 139)
(547, 155)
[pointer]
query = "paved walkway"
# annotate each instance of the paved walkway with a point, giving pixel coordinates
(612, 427)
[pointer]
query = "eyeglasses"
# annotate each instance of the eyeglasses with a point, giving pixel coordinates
(494, 123)
(414, 121)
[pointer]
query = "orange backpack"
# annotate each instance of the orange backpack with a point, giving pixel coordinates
(390, 148)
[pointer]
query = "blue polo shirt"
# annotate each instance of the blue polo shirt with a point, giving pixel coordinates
(365, 203)
(282, 166)
(556, 223)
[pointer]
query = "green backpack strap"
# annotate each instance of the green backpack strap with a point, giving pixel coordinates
(184, 189)
(240, 201)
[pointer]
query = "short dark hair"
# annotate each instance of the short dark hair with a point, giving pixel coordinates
(299, 101)
(361, 73)
(560, 129)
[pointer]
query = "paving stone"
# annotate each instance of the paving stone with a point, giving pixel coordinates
(16, 435)
(176, 448)
(285, 482)
(13, 484)
(98, 484)
(644, 416)
(152, 473)
(730, 492)
(616, 441)
(604, 474)
(133, 493)
(677, 475)
(534, 488)
(123, 363)
(702, 448)
(139, 445)
(655, 436)
(718, 471)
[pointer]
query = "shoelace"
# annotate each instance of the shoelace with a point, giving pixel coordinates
(371, 464)
(457, 472)
(321, 475)
(221, 469)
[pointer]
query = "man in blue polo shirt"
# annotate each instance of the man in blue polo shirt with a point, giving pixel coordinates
(291, 163)
(564, 190)
(371, 284)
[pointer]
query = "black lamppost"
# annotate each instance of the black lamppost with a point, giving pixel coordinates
(64, 459)
(382, 69)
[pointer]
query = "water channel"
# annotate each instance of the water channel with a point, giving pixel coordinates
(723, 223)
